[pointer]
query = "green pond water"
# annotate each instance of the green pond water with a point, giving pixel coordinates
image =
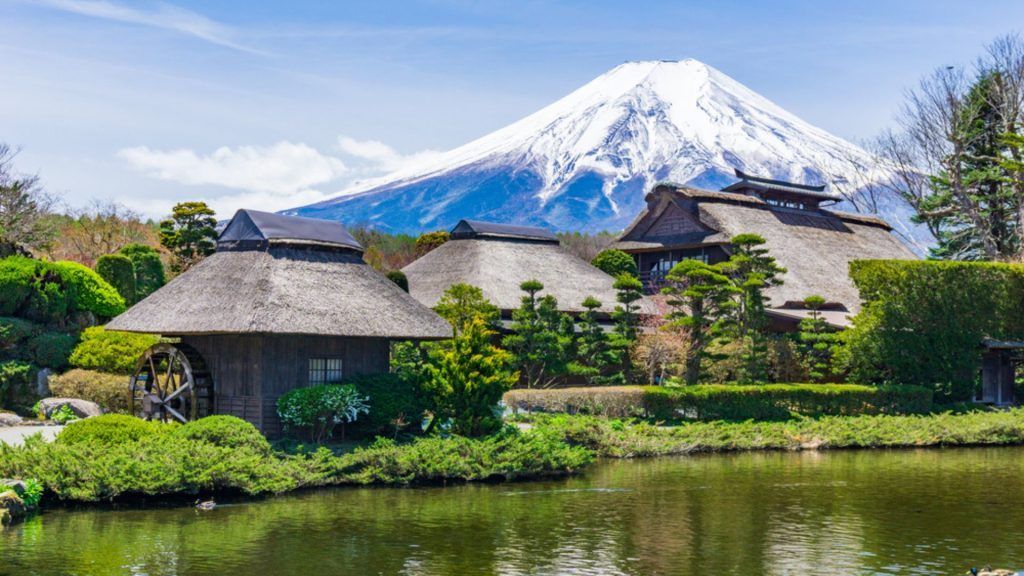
(869, 512)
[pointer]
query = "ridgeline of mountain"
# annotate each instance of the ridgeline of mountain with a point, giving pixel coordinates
(586, 161)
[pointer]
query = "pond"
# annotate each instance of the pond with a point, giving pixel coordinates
(868, 512)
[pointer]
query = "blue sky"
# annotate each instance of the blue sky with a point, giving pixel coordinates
(271, 105)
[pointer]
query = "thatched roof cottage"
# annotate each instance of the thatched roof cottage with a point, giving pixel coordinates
(815, 244)
(283, 302)
(497, 258)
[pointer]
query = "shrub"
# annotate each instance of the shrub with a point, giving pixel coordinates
(319, 409)
(725, 402)
(923, 321)
(615, 263)
(63, 415)
(17, 274)
(119, 271)
(15, 382)
(110, 391)
(52, 349)
(395, 403)
(398, 277)
(110, 351)
(149, 269)
(15, 331)
(32, 493)
(51, 298)
(90, 292)
(111, 430)
(226, 432)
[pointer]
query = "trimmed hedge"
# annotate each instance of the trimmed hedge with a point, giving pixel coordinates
(225, 431)
(923, 322)
(396, 404)
(52, 349)
(725, 402)
(119, 271)
(90, 292)
(111, 430)
(49, 291)
(112, 352)
(110, 391)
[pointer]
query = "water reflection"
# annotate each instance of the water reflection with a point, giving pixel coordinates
(900, 512)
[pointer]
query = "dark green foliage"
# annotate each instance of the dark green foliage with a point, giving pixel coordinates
(701, 299)
(51, 296)
(111, 352)
(396, 403)
(465, 378)
(598, 359)
(461, 304)
(319, 409)
(817, 342)
(923, 322)
(398, 277)
(50, 291)
(149, 269)
(16, 379)
(189, 234)
(110, 391)
(226, 432)
(52, 349)
(430, 240)
(629, 291)
(119, 272)
(615, 263)
(542, 338)
(14, 332)
(726, 402)
(111, 430)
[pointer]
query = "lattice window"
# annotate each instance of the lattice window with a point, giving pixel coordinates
(325, 371)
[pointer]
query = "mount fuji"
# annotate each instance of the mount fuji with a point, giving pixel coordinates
(586, 161)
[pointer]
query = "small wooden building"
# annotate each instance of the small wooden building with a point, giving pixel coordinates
(814, 244)
(497, 258)
(283, 302)
(999, 362)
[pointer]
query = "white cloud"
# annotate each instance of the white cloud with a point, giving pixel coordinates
(161, 15)
(282, 169)
(380, 157)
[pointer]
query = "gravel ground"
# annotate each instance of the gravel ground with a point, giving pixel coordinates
(15, 435)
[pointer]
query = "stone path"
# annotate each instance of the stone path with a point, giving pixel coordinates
(15, 435)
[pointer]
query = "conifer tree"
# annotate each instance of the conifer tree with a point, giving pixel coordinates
(541, 338)
(701, 298)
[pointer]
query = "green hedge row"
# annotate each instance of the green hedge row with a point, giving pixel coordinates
(49, 292)
(725, 402)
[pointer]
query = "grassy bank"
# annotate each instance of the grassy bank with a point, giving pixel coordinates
(634, 438)
(114, 457)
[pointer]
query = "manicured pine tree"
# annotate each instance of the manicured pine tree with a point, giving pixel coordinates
(701, 298)
(629, 291)
(189, 234)
(596, 353)
(817, 341)
(541, 339)
(752, 270)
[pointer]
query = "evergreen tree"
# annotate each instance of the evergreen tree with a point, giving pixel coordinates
(119, 272)
(597, 355)
(615, 263)
(629, 291)
(189, 234)
(149, 269)
(751, 270)
(817, 341)
(461, 304)
(541, 338)
(466, 378)
(701, 298)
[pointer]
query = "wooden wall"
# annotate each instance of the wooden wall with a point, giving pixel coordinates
(250, 372)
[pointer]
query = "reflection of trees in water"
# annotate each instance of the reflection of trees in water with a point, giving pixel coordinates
(755, 513)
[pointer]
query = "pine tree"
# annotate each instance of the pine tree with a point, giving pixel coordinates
(189, 234)
(541, 338)
(461, 304)
(597, 355)
(701, 298)
(817, 341)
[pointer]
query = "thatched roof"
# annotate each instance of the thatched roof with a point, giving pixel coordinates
(499, 265)
(283, 288)
(815, 246)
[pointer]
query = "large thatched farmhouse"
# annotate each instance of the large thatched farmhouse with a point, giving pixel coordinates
(283, 302)
(497, 258)
(814, 244)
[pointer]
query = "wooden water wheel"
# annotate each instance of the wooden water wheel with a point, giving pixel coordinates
(171, 382)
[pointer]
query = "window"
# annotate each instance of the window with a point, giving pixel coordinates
(324, 371)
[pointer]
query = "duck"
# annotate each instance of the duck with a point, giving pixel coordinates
(207, 505)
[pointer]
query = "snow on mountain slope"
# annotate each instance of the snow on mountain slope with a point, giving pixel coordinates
(586, 161)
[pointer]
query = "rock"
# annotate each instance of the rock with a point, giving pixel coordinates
(81, 408)
(11, 484)
(11, 507)
(9, 419)
(43, 382)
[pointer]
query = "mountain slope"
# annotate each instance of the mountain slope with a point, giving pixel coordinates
(586, 161)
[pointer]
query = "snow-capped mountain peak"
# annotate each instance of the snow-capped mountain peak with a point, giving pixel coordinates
(585, 161)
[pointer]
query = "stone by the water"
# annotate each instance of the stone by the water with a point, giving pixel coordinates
(81, 408)
(10, 419)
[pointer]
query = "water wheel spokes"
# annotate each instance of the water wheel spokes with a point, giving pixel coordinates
(163, 386)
